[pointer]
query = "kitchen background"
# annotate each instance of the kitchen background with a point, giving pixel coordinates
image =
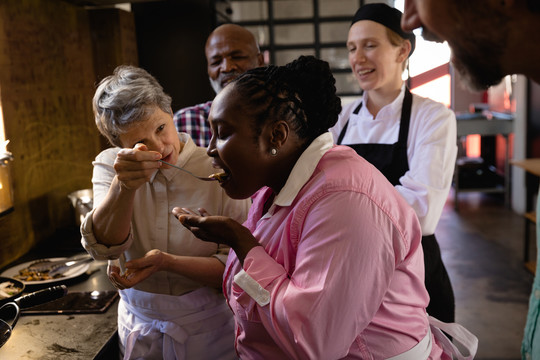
(54, 52)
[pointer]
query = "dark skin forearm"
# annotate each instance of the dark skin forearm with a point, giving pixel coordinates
(218, 229)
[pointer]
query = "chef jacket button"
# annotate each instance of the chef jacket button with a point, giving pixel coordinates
(528, 356)
(537, 294)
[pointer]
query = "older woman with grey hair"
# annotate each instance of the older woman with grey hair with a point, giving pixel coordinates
(171, 305)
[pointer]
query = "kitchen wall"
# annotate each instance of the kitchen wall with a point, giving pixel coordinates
(171, 36)
(52, 53)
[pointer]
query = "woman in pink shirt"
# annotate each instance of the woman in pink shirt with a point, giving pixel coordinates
(329, 264)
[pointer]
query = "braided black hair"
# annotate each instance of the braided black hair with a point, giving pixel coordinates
(303, 93)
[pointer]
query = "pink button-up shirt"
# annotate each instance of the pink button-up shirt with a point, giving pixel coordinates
(340, 272)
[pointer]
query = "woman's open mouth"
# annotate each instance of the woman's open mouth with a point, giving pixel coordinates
(167, 158)
(365, 72)
(221, 177)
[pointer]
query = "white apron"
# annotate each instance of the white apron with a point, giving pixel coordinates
(197, 325)
(422, 350)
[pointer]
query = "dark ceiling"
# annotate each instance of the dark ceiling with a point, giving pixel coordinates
(104, 2)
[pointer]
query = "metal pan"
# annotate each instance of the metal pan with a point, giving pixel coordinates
(19, 284)
(10, 311)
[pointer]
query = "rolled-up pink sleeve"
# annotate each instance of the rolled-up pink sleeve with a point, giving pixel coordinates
(345, 256)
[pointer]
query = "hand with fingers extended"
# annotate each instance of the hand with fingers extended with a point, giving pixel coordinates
(137, 270)
(217, 229)
(115, 274)
(136, 166)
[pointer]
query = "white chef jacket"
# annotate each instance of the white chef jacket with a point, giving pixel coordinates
(431, 149)
(153, 226)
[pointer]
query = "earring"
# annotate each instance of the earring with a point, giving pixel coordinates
(273, 151)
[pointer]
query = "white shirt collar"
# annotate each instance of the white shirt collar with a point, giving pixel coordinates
(397, 102)
(303, 169)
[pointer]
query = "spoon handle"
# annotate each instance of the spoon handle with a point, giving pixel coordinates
(190, 173)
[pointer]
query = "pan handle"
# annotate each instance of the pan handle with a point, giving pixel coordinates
(41, 296)
(32, 299)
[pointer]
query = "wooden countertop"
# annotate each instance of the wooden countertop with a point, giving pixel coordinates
(530, 165)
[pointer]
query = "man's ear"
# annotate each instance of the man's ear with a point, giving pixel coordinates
(279, 134)
(260, 59)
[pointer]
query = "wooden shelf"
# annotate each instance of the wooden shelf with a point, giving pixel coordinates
(531, 266)
(529, 165)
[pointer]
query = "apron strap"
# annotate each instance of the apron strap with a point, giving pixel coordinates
(459, 334)
(342, 133)
(172, 330)
(404, 124)
(344, 130)
(420, 351)
(167, 328)
(405, 117)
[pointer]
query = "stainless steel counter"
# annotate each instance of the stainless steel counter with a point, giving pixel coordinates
(73, 337)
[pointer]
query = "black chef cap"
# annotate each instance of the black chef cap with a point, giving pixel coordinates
(387, 16)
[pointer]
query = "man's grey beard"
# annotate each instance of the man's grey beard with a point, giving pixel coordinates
(477, 73)
(216, 85)
(477, 77)
(429, 36)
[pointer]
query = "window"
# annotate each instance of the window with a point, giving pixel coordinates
(287, 29)
(429, 68)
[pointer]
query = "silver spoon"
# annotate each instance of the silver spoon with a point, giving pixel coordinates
(190, 173)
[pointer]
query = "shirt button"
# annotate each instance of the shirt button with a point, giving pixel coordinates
(528, 356)
(537, 294)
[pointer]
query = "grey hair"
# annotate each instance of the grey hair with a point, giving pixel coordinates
(124, 98)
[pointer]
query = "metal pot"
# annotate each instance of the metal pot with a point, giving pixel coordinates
(18, 284)
(6, 190)
(82, 201)
(7, 328)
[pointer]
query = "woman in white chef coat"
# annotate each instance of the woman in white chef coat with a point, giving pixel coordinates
(171, 303)
(410, 139)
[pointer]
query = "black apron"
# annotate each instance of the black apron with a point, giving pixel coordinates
(392, 161)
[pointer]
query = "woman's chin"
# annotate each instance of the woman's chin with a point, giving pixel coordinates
(234, 192)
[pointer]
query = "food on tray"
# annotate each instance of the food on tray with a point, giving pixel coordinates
(8, 289)
(219, 176)
(33, 275)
